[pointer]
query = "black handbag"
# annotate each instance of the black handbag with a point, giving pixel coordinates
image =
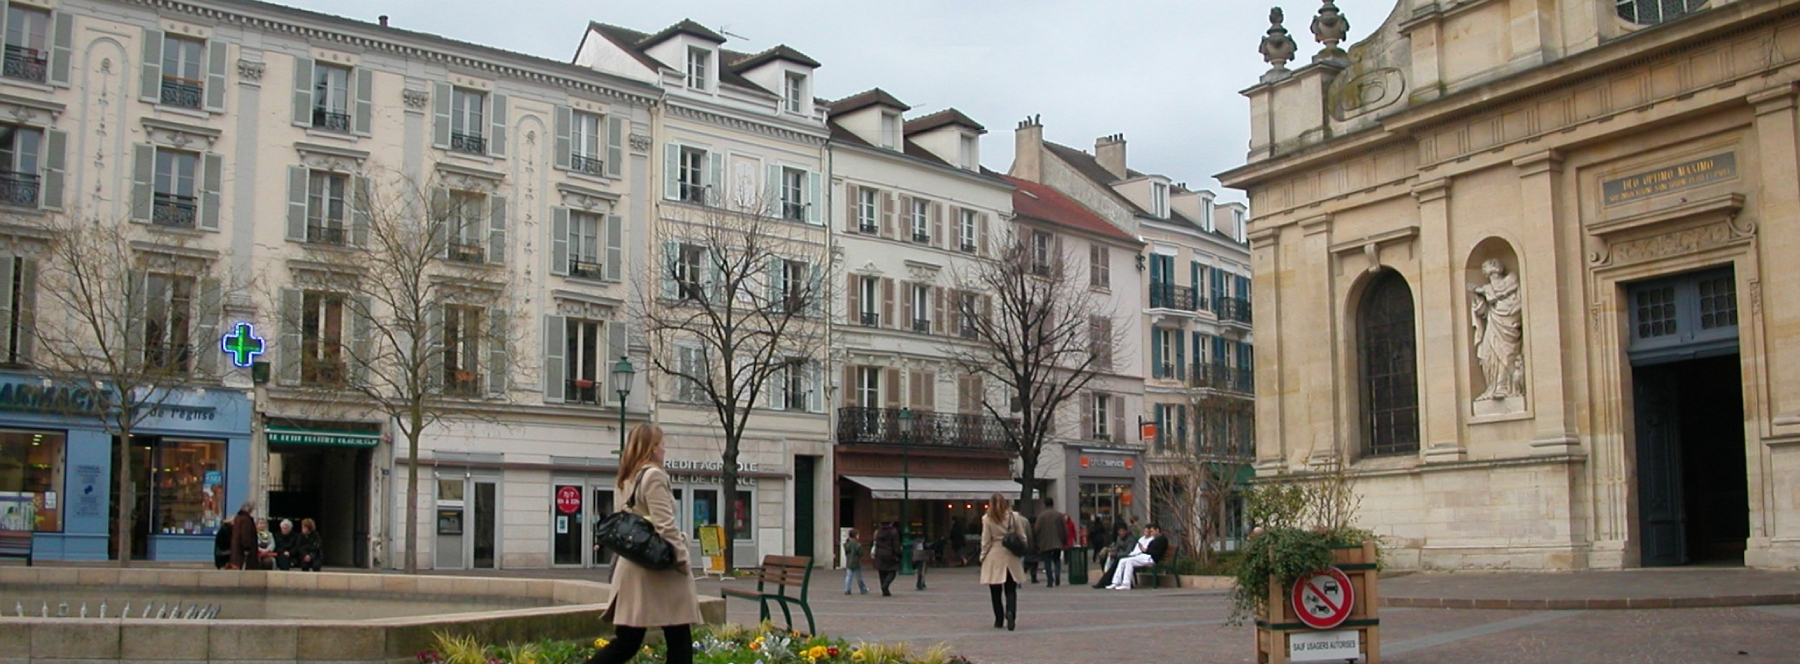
(1013, 541)
(633, 537)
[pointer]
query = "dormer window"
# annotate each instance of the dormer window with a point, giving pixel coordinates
(795, 93)
(1159, 199)
(699, 61)
(1654, 12)
(970, 158)
(890, 130)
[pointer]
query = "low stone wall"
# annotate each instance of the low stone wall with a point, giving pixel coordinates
(567, 609)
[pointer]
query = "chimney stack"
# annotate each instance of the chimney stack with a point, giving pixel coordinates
(1028, 150)
(384, 20)
(1110, 152)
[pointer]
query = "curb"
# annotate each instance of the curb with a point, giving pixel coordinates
(1593, 604)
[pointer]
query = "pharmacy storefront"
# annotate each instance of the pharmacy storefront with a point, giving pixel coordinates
(188, 463)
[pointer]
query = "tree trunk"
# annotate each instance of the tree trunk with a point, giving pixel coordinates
(412, 500)
(127, 499)
(728, 484)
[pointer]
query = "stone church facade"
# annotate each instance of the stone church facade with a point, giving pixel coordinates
(1510, 262)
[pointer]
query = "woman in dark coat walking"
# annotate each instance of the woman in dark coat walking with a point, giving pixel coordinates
(887, 556)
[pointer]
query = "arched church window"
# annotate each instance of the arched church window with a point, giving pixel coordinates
(1653, 12)
(1390, 371)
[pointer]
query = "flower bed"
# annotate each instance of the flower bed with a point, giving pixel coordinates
(724, 644)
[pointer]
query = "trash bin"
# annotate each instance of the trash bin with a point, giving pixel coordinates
(1076, 561)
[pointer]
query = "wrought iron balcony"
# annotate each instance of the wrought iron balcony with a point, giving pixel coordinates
(796, 400)
(470, 143)
(173, 211)
(1164, 370)
(585, 269)
(871, 319)
(181, 92)
(883, 426)
(969, 331)
(792, 211)
(25, 63)
(581, 163)
(461, 382)
(921, 237)
(968, 247)
(19, 189)
(693, 193)
(1171, 296)
(1222, 377)
(169, 358)
(327, 233)
(868, 227)
(921, 325)
(467, 252)
(1234, 309)
(331, 120)
(581, 391)
(317, 372)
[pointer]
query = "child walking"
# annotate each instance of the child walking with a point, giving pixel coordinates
(853, 552)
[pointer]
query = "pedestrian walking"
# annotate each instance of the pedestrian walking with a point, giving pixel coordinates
(853, 552)
(887, 556)
(1001, 569)
(921, 561)
(644, 598)
(243, 537)
(1051, 534)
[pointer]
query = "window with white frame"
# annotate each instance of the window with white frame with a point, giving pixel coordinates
(970, 152)
(168, 322)
(691, 362)
(690, 272)
(462, 350)
(793, 280)
(868, 211)
(869, 301)
(1099, 266)
(968, 308)
(890, 130)
(322, 339)
(1165, 341)
(27, 42)
(584, 244)
(587, 143)
(326, 210)
(921, 221)
(1159, 199)
(969, 231)
(868, 387)
(793, 384)
(466, 223)
(1101, 405)
(21, 149)
(467, 131)
(583, 352)
(921, 306)
(1041, 243)
(175, 204)
(691, 174)
(793, 194)
(794, 91)
(331, 97)
(699, 63)
(183, 71)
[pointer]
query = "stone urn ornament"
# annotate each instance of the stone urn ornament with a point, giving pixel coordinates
(1277, 47)
(1330, 28)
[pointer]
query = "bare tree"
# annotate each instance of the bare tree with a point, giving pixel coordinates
(117, 320)
(1036, 329)
(737, 303)
(399, 310)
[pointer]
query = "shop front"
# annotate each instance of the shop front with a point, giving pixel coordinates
(939, 495)
(321, 470)
(580, 498)
(188, 463)
(1107, 483)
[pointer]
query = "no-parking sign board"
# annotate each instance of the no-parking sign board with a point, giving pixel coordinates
(1322, 600)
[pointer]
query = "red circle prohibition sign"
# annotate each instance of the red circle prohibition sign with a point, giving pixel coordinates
(568, 499)
(1322, 600)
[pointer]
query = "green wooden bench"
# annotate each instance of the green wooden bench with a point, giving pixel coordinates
(16, 544)
(1157, 571)
(779, 574)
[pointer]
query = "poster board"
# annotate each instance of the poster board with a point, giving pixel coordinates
(712, 546)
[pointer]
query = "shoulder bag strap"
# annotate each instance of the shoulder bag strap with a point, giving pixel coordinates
(631, 501)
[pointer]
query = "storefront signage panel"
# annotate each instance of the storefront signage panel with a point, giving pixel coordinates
(328, 438)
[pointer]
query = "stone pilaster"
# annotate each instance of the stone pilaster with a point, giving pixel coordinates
(1266, 268)
(1778, 217)
(1318, 361)
(1544, 255)
(1441, 398)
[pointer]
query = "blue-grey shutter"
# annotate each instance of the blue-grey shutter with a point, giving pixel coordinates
(137, 298)
(772, 274)
(815, 291)
(288, 341)
(715, 178)
(496, 230)
(440, 104)
(143, 181)
(215, 75)
(617, 338)
(212, 175)
(497, 360)
(298, 179)
(363, 117)
(772, 203)
(565, 121)
(496, 142)
(815, 201)
(362, 339)
(815, 388)
(54, 161)
(1156, 335)
(672, 172)
(204, 344)
(433, 363)
(671, 255)
(1180, 352)
(559, 241)
(615, 247)
(361, 195)
(62, 42)
(303, 91)
(440, 218)
(615, 147)
(150, 74)
(555, 341)
(6, 277)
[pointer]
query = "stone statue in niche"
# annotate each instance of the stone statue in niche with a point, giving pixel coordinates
(1496, 314)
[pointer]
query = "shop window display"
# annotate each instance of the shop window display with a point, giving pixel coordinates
(190, 487)
(31, 480)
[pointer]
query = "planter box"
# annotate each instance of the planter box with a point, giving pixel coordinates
(1206, 582)
(1278, 622)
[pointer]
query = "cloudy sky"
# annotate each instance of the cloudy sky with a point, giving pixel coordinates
(1163, 72)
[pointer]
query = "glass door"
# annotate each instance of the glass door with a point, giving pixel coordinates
(567, 524)
(603, 505)
(486, 526)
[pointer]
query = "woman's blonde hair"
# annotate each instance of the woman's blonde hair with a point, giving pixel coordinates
(640, 447)
(998, 506)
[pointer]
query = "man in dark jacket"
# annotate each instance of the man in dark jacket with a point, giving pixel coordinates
(1051, 535)
(1149, 550)
(887, 556)
(243, 537)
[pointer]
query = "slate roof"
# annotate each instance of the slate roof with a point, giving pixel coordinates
(685, 27)
(780, 52)
(732, 63)
(948, 116)
(865, 99)
(1044, 203)
(1089, 167)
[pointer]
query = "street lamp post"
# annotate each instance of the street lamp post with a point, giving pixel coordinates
(906, 430)
(622, 372)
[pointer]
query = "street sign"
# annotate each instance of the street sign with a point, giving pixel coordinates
(1342, 645)
(1323, 600)
(568, 499)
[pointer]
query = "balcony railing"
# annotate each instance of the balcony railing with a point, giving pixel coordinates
(581, 391)
(470, 143)
(173, 211)
(969, 331)
(921, 325)
(1234, 309)
(331, 120)
(322, 372)
(1222, 377)
(1171, 296)
(461, 382)
(585, 269)
(870, 319)
(467, 252)
(181, 92)
(19, 189)
(796, 400)
(867, 227)
(584, 164)
(25, 63)
(882, 426)
(167, 357)
(921, 237)
(332, 234)
(793, 211)
(968, 247)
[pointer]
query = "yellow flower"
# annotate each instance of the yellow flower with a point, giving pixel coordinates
(857, 655)
(600, 643)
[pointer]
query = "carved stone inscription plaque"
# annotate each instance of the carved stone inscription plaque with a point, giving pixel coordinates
(1692, 173)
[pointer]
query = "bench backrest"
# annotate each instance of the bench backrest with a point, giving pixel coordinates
(15, 541)
(784, 572)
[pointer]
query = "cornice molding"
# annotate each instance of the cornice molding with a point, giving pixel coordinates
(744, 125)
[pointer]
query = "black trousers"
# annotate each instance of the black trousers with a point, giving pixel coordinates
(1010, 591)
(887, 580)
(626, 643)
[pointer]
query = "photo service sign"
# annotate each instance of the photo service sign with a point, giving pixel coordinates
(1322, 600)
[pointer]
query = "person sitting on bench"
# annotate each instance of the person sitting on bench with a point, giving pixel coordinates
(1117, 550)
(1148, 551)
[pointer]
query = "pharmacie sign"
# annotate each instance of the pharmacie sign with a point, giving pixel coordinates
(39, 399)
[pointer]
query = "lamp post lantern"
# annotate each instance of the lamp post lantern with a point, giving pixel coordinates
(622, 372)
(906, 431)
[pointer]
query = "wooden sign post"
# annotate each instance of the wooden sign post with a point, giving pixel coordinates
(1283, 632)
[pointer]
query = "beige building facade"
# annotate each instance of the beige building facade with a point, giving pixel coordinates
(1524, 280)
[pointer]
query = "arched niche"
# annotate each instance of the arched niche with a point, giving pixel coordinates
(1496, 329)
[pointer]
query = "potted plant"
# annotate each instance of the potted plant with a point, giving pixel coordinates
(1303, 526)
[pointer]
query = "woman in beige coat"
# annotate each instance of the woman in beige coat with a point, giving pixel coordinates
(1001, 569)
(645, 598)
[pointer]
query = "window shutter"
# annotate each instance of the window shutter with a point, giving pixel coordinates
(903, 214)
(891, 387)
(440, 218)
(671, 256)
(915, 390)
(615, 247)
(303, 91)
(772, 204)
(852, 197)
(887, 214)
(7, 306)
(952, 324)
(204, 343)
(496, 230)
(555, 340)
(1156, 358)
(362, 338)
(983, 231)
(937, 226)
(773, 271)
(26, 308)
(143, 177)
(1180, 352)
(906, 307)
(212, 174)
(853, 309)
(54, 162)
(62, 41)
(287, 356)
(615, 147)
(1087, 415)
(298, 179)
(815, 291)
(559, 241)
(887, 303)
(434, 347)
(216, 52)
(1117, 411)
(937, 311)
(361, 200)
(672, 172)
(363, 119)
(150, 74)
(847, 387)
(564, 146)
(440, 106)
(496, 143)
(815, 387)
(618, 340)
(929, 392)
(715, 178)
(815, 204)
(497, 360)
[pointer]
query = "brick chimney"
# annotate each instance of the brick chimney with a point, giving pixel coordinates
(1028, 150)
(1110, 152)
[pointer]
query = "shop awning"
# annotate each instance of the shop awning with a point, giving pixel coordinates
(297, 436)
(935, 488)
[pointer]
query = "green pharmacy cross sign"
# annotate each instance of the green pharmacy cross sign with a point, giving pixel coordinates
(242, 345)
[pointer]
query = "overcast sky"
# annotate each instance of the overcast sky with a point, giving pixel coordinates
(1166, 73)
